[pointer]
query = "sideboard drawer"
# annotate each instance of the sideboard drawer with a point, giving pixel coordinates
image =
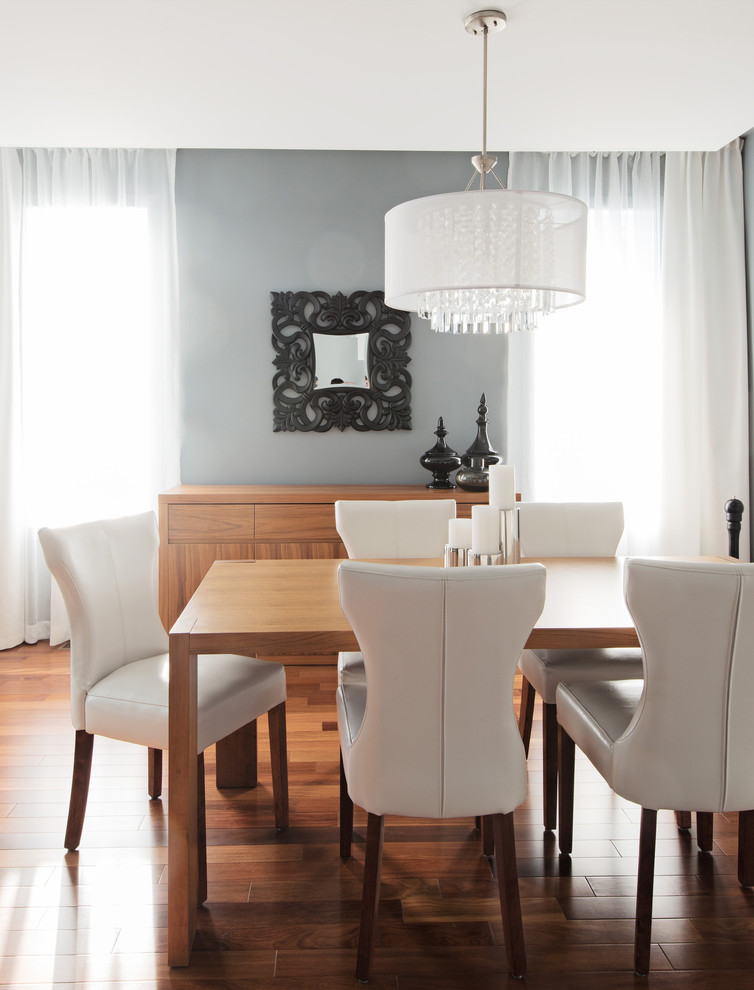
(210, 523)
(283, 523)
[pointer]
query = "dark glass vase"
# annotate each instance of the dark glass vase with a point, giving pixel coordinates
(441, 460)
(474, 476)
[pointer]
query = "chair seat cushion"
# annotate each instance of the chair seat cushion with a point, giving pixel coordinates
(351, 703)
(545, 669)
(595, 714)
(132, 703)
(351, 668)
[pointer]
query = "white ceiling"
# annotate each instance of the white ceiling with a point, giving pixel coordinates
(586, 75)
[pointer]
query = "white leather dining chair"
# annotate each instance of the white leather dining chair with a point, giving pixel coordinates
(107, 574)
(683, 738)
(374, 529)
(566, 529)
(432, 731)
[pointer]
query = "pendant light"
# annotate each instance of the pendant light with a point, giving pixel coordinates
(485, 260)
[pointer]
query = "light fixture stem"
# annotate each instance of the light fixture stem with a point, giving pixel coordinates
(499, 181)
(483, 179)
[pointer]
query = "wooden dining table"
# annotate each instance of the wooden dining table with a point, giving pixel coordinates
(289, 607)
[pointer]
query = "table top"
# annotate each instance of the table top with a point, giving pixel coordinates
(292, 606)
(280, 605)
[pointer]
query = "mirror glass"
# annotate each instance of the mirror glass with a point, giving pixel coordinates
(340, 360)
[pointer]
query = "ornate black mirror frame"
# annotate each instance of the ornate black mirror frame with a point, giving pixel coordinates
(384, 405)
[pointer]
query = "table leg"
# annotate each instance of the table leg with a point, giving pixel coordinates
(182, 798)
(236, 758)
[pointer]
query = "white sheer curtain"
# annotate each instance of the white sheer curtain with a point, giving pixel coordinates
(93, 418)
(598, 400)
(12, 535)
(705, 388)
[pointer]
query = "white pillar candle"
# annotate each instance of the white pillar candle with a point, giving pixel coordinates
(502, 486)
(485, 529)
(459, 533)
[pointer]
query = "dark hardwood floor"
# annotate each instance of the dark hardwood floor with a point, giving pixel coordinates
(283, 909)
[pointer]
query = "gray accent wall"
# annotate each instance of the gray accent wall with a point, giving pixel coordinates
(250, 222)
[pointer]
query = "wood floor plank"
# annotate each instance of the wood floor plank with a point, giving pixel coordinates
(711, 956)
(613, 931)
(425, 909)
(725, 929)
(682, 906)
(675, 884)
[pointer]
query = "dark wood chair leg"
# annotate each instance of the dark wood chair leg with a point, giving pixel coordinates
(236, 758)
(370, 902)
(510, 902)
(488, 837)
(346, 815)
(746, 848)
(644, 891)
(201, 831)
(526, 712)
(279, 763)
(683, 819)
(82, 771)
(566, 770)
(550, 775)
(704, 830)
(154, 761)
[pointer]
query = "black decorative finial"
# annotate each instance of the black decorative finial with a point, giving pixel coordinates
(481, 446)
(440, 460)
(734, 510)
(474, 477)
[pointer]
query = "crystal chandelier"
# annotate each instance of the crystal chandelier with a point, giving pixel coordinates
(485, 260)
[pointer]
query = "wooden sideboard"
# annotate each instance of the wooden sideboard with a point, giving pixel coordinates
(203, 523)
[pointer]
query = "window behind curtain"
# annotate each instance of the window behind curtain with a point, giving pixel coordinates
(88, 375)
(596, 391)
(585, 396)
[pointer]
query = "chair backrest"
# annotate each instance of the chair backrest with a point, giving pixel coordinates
(441, 645)
(107, 575)
(406, 528)
(570, 529)
(690, 742)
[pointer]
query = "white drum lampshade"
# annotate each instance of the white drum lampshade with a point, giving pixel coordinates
(487, 260)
